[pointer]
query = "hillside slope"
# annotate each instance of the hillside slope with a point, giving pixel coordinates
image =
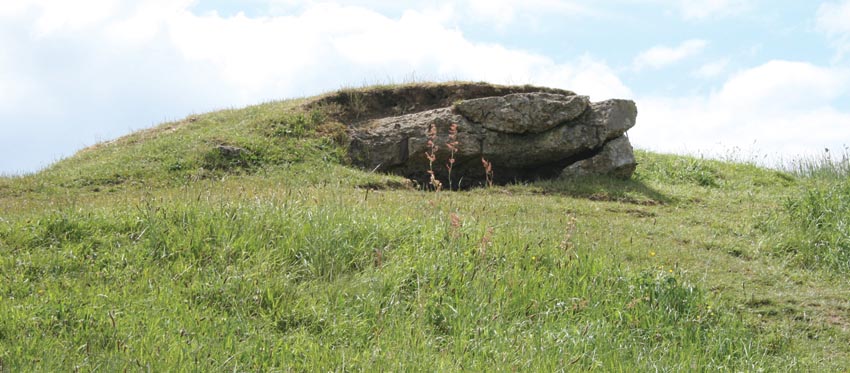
(242, 240)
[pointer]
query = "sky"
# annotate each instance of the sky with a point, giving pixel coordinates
(751, 79)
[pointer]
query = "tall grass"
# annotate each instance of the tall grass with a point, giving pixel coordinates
(819, 214)
(238, 240)
(822, 218)
(827, 166)
(291, 283)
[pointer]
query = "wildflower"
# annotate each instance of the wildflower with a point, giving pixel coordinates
(455, 220)
(431, 155)
(488, 171)
(455, 225)
(452, 144)
(652, 253)
(486, 240)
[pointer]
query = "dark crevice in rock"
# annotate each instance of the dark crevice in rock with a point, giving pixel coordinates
(551, 170)
(403, 151)
(504, 175)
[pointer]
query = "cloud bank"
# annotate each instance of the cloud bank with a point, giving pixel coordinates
(70, 77)
(94, 76)
(772, 112)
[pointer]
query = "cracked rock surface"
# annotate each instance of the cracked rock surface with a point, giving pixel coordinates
(525, 135)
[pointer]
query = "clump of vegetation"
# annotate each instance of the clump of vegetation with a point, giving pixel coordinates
(822, 220)
(827, 166)
(682, 170)
(819, 215)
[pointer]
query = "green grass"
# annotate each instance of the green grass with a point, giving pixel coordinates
(817, 220)
(156, 252)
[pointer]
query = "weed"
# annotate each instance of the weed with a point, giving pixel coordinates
(431, 155)
(356, 103)
(567, 243)
(488, 172)
(485, 242)
(682, 170)
(452, 144)
(226, 158)
(455, 225)
(821, 218)
(827, 166)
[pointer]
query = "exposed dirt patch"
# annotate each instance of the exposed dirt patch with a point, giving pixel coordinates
(634, 212)
(362, 104)
(624, 199)
(389, 185)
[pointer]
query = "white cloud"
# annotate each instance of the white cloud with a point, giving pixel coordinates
(713, 69)
(328, 44)
(503, 12)
(145, 19)
(661, 56)
(702, 9)
(53, 15)
(11, 9)
(698, 10)
(589, 76)
(324, 43)
(786, 84)
(149, 61)
(833, 18)
(777, 109)
(497, 13)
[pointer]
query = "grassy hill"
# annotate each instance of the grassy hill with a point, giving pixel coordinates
(240, 240)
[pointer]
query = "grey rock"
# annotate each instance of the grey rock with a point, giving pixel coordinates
(523, 112)
(616, 159)
(228, 151)
(508, 150)
(525, 136)
(614, 116)
(399, 144)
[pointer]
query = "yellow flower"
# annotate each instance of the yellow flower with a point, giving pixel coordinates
(652, 253)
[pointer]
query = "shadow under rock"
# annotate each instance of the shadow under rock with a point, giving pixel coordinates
(603, 188)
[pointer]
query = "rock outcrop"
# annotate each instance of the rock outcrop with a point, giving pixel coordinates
(525, 135)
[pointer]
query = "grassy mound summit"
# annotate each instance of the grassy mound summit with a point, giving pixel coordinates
(243, 240)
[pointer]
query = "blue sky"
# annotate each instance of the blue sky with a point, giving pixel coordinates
(760, 79)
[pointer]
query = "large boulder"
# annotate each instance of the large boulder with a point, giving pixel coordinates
(523, 112)
(525, 136)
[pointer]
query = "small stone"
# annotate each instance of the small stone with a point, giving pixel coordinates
(616, 159)
(228, 151)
